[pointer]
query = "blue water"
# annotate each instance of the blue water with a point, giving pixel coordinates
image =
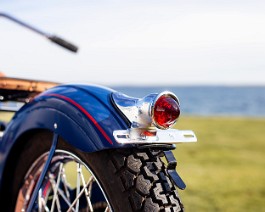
(211, 100)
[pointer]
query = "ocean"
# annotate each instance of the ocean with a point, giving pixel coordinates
(247, 101)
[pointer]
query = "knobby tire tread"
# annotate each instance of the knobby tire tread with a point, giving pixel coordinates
(145, 180)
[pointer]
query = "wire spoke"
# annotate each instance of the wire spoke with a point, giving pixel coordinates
(80, 194)
(65, 184)
(87, 192)
(78, 185)
(107, 209)
(61, 193)
(40, 202)
(55, 195)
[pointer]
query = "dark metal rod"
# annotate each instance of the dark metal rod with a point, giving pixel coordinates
(53, 38)
(24, 24)
(45, 169)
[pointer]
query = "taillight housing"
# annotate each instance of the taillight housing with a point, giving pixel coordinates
(150, 117)
(154, 110)
(165, 110)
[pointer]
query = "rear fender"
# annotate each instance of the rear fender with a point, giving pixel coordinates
(82, 115)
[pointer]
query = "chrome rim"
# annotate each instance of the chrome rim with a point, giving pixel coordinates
(69, 185)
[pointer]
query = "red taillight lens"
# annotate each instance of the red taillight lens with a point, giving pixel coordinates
(165, 112)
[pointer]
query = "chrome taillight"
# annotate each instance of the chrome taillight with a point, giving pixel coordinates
(154, 110)
(150, 117)
(165, 110)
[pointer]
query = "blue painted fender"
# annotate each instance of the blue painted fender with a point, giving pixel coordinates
(82, 115)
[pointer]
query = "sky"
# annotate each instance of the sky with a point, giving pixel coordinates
(147, 42)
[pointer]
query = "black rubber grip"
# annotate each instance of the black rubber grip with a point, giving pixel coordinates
(63, 43)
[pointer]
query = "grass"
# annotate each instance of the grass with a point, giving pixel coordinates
(6, 116)
(225, 170)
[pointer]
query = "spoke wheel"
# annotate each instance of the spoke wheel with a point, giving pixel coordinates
(109, 180)
(69, 185)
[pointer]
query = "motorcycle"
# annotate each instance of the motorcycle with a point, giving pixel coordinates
(74, 147)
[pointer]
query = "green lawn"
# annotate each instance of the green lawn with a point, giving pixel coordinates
(225, 170)
(6, 116)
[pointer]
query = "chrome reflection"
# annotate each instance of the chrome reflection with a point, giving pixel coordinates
(139, 111)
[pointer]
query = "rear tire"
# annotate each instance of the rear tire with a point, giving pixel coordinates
(131, 179)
